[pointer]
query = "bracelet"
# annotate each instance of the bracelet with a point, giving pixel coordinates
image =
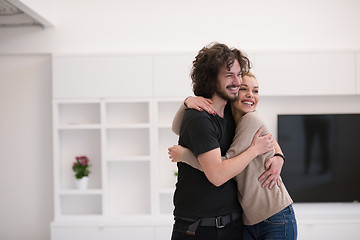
(280, 155)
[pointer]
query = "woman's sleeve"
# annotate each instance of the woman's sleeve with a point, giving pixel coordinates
(189, 158)
(176, 123)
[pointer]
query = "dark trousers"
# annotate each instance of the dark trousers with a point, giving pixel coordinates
(232, 231)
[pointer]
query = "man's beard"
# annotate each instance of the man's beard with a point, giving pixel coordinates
(226, 96)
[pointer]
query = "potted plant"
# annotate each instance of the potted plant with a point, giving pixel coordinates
(81, 168)
(175, 176)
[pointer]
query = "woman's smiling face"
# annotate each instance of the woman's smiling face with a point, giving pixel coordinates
(248, 95)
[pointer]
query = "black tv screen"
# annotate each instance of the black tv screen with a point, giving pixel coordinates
(322, 156)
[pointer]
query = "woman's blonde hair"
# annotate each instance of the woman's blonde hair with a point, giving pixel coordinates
(248, 74)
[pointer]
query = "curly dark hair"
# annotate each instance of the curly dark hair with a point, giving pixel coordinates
(207, 64)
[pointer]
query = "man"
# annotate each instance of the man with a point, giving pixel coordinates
(206, 205)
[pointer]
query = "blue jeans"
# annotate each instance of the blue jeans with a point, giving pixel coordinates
(281, 225)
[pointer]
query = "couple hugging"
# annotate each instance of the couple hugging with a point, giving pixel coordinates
(229, 184)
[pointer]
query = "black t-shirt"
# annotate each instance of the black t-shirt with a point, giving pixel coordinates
(195, 196)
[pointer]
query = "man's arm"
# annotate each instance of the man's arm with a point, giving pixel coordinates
(218, 172)
(179, 153)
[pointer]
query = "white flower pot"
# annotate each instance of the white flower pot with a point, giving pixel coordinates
(82, 183)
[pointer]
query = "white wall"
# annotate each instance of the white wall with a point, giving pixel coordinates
(26, 201)
(112, 26)
(270, 107)
(168, 25)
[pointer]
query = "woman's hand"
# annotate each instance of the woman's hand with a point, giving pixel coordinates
(262, 144)
(175, 153)
(273, 168)
(200, 104)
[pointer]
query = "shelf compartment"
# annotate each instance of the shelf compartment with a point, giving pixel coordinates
(80, 192)
(166, 168)
(118, 113)
(80, 126)
(166, 203)
(128, 190)
(146, 158)
(77, 114)
(127, 142)
(128, 125)
(167, 111)
(74, 143)
(81, 204)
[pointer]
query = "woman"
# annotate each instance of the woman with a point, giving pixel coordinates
(267, 212)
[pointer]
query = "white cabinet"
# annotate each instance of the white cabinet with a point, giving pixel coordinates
(126, 142)
(104, 107)
(168, 75)
(115, 136)
(291, 74)
(165, 169)
(77, 131)
(172, 75)
(102, 76)
(131, 227)
(357, 61)
(106, 233)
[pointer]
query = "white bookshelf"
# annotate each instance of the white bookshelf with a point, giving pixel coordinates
(127, 148)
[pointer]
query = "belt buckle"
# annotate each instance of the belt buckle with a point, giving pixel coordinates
(219, 222)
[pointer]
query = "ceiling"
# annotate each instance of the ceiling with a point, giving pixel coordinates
(14, 13)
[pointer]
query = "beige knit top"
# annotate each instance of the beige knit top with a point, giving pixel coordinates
(258, 203)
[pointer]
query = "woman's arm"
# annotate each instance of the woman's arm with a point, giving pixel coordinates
(198, 103)
(274, 166)
(247, 125)
(175, 127)
(178, 153)
(217, 171)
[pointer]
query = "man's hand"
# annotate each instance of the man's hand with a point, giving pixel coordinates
(262, 144)
(273, 168)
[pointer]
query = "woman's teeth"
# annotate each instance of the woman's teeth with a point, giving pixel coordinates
(248, 103)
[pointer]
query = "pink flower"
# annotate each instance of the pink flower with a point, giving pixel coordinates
(81, 166)
(82, 162)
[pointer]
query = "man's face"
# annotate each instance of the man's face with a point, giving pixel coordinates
(229, 82)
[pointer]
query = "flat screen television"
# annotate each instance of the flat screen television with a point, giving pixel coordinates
(322, 156)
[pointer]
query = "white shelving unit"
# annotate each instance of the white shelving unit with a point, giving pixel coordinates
(77, 131)
(127, 147)
(104, 107)
(165, 169)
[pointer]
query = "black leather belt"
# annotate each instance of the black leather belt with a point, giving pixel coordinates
(218, 222)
